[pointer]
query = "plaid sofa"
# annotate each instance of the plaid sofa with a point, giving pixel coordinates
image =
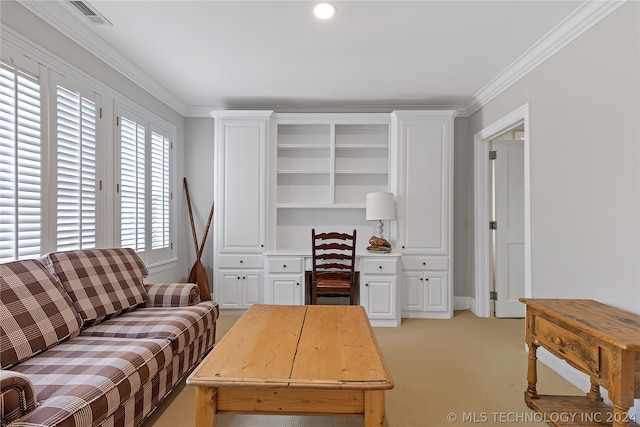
(84, 342)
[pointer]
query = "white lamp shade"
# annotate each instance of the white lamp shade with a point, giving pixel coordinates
(380, 206)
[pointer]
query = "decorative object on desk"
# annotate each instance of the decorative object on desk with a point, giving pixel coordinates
(376, 244)
(198, 274)
(380, 207)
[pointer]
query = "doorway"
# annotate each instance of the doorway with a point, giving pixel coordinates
(502, 195)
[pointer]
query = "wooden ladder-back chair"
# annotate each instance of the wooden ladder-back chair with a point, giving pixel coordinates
(334, 263)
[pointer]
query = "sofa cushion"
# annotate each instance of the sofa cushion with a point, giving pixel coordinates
(102, 283)
(86, 379)
(36, 313)
(179, 325)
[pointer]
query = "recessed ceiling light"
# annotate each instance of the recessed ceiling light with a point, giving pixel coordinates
(324, 10)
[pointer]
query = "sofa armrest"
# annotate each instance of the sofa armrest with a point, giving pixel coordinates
(172, 294)
(17, 397)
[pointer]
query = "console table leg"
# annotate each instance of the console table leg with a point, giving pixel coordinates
(532, 375)
(620, 416)
(594, 392)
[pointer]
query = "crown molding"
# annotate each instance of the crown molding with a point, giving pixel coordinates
(583, 18)
(58, 15)
(62, 18)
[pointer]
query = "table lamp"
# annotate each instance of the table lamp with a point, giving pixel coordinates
(380, 207)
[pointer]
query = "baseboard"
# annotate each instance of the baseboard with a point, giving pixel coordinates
(462, 303)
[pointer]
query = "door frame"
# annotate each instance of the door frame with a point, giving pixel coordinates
(482, 207)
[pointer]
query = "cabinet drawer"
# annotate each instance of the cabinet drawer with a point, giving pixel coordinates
(285, 265)
(380, 266)
(425, 263)
(240, 261)
(567, 345)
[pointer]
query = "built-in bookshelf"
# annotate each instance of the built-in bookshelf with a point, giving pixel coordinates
(325, 166)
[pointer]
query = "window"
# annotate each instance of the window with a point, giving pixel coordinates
(20, 164)
(145, 185)
(60, 165)
(75, 169)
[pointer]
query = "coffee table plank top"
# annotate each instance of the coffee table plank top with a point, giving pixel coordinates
(329, 347)
(338, 347)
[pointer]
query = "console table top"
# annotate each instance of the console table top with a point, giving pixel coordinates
(608, 324)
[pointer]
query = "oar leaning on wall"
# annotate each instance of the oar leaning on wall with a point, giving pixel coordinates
(198, 273)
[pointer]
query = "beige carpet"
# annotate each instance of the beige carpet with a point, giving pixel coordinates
(463, 371)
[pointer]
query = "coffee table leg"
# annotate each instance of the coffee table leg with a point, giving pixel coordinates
(374, 408)
(206, 406)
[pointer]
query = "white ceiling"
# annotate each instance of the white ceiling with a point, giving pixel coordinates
(203, 55)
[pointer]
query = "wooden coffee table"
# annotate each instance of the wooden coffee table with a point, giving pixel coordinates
(295, 360)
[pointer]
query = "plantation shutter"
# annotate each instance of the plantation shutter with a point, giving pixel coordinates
(20, 160)
(160, 191)
(76, 170)
(132, 184)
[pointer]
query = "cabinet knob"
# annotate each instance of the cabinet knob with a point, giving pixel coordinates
(262, 246)
(243, 277)
(284, 265)
(297, 283)
(238, 277)
(366, 284)
(380, 267)
(421, 278)
(241, 261)
(426, 278)
(402, 246)
(424, 263)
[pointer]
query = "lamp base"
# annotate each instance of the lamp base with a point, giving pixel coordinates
(379, 245)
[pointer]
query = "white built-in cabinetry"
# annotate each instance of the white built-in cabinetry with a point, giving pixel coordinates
(278, 175)
(240, 197)
(425, 207)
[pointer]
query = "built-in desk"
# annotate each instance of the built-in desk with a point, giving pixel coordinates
(379, 290)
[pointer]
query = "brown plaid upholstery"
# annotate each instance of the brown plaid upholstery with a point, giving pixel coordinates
(16, 396)
(172, 294)
(139, 406)
(86, 379)
(36, 313)
(180, 325)
(102, 283)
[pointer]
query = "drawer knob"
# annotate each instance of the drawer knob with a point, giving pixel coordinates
(241, 261)
(284, 265)
(380, 267)
(297, 283)
(557, 340)
(366, 284)
(424, 263)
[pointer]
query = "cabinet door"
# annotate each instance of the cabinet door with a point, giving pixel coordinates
(229, 289)
(425, 156)
(252, 283)
(412, 291)
(241, 183)
(287, 289)
(378, 296)
(436, 291)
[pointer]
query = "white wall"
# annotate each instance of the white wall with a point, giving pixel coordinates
(585, 163)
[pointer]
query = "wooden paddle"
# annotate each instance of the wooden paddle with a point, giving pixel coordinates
(192, 274)
(198, 273)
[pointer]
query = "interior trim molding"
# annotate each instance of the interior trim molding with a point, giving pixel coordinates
(59, 16)
(587, 15)
(62, 18)
(482, 206)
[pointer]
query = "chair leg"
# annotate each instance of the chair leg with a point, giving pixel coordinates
(314, 295)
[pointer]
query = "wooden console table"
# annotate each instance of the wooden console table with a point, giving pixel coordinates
(599, 340)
